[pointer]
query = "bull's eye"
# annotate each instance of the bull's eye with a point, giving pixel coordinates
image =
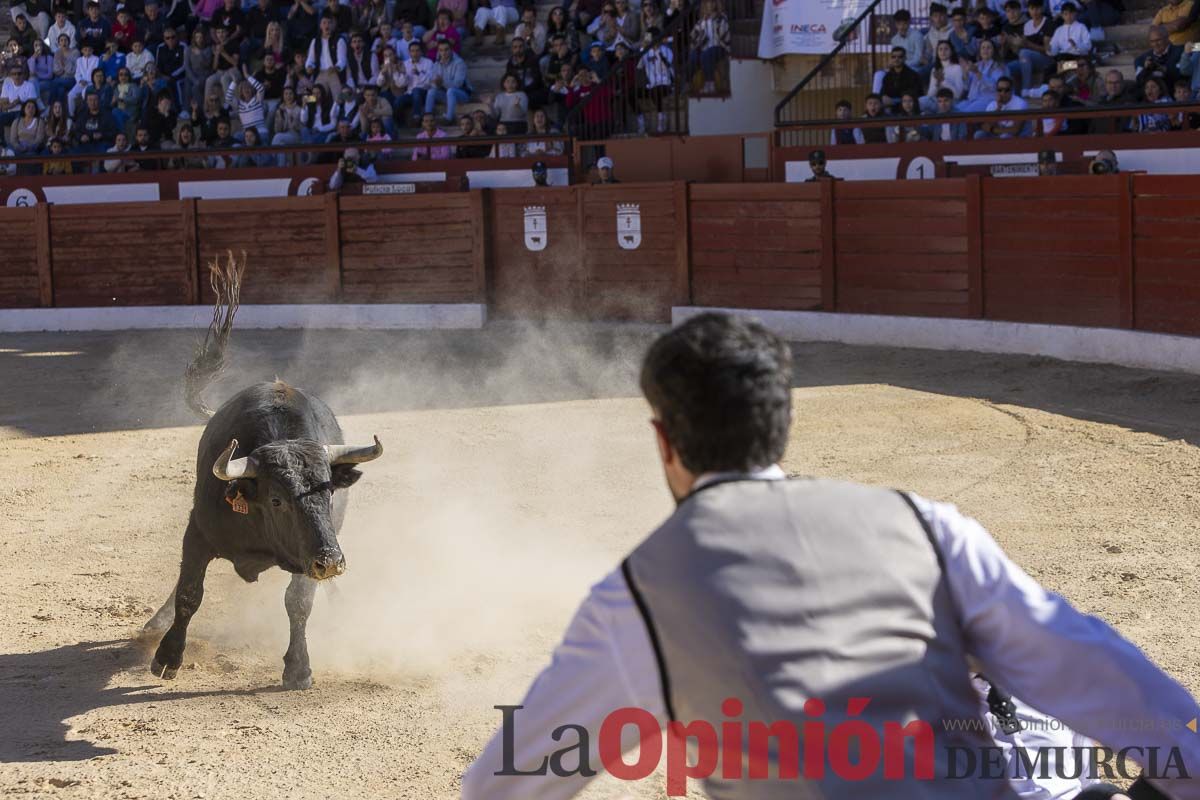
(275, 501)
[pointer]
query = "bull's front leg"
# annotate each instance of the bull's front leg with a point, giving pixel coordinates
(298, 600)
(189, 592)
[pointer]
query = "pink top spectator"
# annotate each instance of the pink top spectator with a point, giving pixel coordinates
(433, 152)
(206, 8)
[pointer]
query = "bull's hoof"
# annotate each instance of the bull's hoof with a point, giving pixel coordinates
(297, 682)
(163, 671)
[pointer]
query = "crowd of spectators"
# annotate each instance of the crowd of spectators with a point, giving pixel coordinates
(1014, 55)
(117, 76)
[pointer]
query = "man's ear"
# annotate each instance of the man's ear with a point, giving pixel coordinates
(344, 476)
(665, 451)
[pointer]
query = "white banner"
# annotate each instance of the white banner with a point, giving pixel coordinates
(804, 26)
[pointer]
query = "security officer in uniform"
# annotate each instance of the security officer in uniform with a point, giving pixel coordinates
(816, 162)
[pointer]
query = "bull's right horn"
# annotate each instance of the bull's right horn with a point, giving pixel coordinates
(353, 453)
(230, 470)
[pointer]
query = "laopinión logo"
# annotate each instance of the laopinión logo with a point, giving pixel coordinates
(851, 750)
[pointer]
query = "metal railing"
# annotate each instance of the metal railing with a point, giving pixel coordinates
(847, 71)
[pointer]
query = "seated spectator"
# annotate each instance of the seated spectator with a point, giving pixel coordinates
(843, 110)
(503, 149)
(947, 73)
(1179, 19)
(1047, 162)
(127, 100)
(430, 130)
(161, 119)
(628, 25)
(191, 151)
(876, 134)
(27, 134)
(483, 122)
(1161, 60)
(65, 59)
(961, 38)
(142, 144)
(409, 35)
(1086, 85)
(288, 125)
(1072, 37)
(94, 129)
(597, 115)
(171, 58)
(528, 73)
(124, 31)
(652, 19)
(560, 54)
(340, 15)
(467, 129)
(558, 92)
(1154, 121)
(596, 60)
(457, 9)
(224, 70)
(152, 27)
(377, 133)
(205, 119)
(532, 31)
(448, 82)
(374, 107)
(945, 131)
(912, 41)
(982, 77)
(1050, 126)
(541, 124)
(272, 77)
(197, 68)
(55, 165)
(419, 70)
(1183, 120)
(352, 170)
(443, 31)
(14, 93)
(345, 135)
(710, 41)
(1006, 100)
(93, 29)
(604, 28)
(385, 38)
(987, 27)
(62, 27)
(224, 139)
(1012, 32)
(494, 13)
(153, 83)
(911, 109)
(361, 64)
(584, 12)
(252, 141)
(303, 24)
(346, 106)
(370, 16)
(327, 57)
(939, 29)
(897, 80)
(41, 71)
(1033, 55)
(511, 106)
(392, 79)
(24, 35)
(58, 123)
(36, 21)
(558, 23)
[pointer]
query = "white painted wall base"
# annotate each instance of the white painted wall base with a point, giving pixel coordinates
(1092, 345)
(362, 317)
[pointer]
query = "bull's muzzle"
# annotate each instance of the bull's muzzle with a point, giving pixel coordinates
(328, 564)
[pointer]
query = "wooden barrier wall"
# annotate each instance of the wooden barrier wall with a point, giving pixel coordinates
(1110, 251)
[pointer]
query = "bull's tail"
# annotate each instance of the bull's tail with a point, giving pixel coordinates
(209, 362)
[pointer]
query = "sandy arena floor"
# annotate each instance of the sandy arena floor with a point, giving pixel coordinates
(518, 469)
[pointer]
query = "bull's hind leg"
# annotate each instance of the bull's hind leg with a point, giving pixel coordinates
(298, 600)
(189, 592)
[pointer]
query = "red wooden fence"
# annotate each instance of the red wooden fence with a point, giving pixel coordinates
(1111, 251)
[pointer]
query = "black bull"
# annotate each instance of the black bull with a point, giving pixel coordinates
(279, 505)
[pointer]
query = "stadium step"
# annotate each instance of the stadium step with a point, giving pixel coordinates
(1130, 38)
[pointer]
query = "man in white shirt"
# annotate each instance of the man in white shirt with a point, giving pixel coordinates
(61, 25)
(804, 604)
(1072, 37)
(1006, 100)
(327, 55)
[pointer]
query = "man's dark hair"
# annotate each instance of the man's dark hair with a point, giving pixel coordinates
(721, 386)
(935, 8)
(903, 15)
(945, 92)
(843, 104)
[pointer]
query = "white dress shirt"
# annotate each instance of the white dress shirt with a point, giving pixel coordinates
(1028, 639)
(1077, 32)
(327, 53)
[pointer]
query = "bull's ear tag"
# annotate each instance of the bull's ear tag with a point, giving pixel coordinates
(238, 503)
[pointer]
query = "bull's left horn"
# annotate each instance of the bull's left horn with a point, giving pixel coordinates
(230, 470)
(353, 453)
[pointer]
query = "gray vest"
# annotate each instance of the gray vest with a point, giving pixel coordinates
(775, 592)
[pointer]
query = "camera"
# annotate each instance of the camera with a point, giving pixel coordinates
(310, 98)
(1103, 165)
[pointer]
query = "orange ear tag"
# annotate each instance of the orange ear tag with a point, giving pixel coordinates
(238, 503)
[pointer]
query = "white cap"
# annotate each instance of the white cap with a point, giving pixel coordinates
(604, 163)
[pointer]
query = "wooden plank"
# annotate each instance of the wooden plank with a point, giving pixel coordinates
(900, 246)
(333, 248)
(975, 254)
(890, 191)
(924, 210)
(45, 259)
(1066, 187)
(1169, 186)
(1094, 209)
(829, 259)
(703, 192)
(1126, 266)
(480, 243)
(191, 250)
(682, 294)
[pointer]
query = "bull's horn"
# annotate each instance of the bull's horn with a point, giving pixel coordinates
(353, 453)
(230, 470)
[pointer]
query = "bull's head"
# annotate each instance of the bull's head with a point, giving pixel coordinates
(291, 484)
